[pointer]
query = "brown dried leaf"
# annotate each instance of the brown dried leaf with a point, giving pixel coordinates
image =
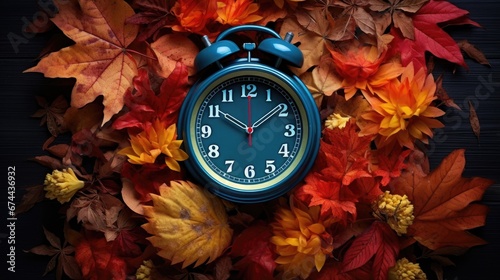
(474, 120)
(443, 95)
(49, 162)
(52, 238)
(32, 196)
(52, 114)
(223, 268)
(473, 52)
(170, 49)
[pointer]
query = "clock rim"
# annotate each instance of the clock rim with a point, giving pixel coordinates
(276, 186)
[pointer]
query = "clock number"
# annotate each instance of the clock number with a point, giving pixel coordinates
(213, 151)
(213, 111)
(290, 130)
(227, 95)
(270, 167)
(268, 99)
(229, 164)
(250, 171)
(252, 90)
(283, 112)
(284, 150)
(206, 131)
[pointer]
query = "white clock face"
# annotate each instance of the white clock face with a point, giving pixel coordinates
(248, 131)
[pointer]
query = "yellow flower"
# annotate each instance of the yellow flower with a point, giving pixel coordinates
(396, 210)
(237, 12)
(301, 240)
(62, 185)
(406, 270)
(336, 120)
(402, 110)
(188, 224)
(144, 271)
(153, 141)
(361, 68)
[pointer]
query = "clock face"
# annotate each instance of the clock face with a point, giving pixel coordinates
(248, 132)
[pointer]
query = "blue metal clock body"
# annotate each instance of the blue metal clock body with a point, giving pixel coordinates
(251, 131)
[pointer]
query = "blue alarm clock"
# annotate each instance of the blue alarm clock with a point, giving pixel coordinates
(251, 129)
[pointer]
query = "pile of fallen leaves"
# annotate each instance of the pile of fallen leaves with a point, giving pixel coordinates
(370, 208)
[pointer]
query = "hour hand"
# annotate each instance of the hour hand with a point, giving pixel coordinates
(234, 120)
(268, 115)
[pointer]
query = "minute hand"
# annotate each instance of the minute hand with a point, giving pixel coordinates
(268, 115)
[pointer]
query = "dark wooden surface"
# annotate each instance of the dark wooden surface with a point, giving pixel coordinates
(22, 138)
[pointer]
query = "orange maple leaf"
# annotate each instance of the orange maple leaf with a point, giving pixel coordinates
(99, 60)
(194, 15)
(442, 201)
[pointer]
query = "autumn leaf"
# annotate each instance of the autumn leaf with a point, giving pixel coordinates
(146, 106)
(62, 256)
(153, 15)
(170, 50)
(354, 14)
(343, 154)
(32, 196)
(443, 96)
(399, 12)
(389, 163)
(322, 80)
(52, 114)
(378, 242)
(443, 203)
(474, 120)
(96, 211)
(237, 12)
(341, 160)
(99, 60)
(98, 260)
(253, 246)
(473, 52)
(429, 36)
(188, 225)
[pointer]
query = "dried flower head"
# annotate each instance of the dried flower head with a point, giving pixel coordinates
(144, 271)
(62, 185)
(188, 225)
(336, 120)
(154, 141)
(301, 240)
(406, 270)
(396, 210)
(402, 110)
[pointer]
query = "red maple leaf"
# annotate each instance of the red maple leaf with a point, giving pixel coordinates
(148, 178)
(98, 260)
(390, 162)
(334, 199)
(379, 242)
(429, 36)
(254, 246)
(343, 155)
(145, 105)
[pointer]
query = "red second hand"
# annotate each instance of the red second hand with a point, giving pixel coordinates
(249, 129)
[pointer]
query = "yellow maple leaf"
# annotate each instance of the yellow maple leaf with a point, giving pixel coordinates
(188, 225)
(99, 60)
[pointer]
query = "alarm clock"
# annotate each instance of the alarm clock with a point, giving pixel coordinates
(251, 128)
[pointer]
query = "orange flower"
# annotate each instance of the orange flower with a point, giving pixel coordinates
(402, 110)
(155, 140)
(236, 12)
(361, 68)
(301, 240)
(194, 15)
